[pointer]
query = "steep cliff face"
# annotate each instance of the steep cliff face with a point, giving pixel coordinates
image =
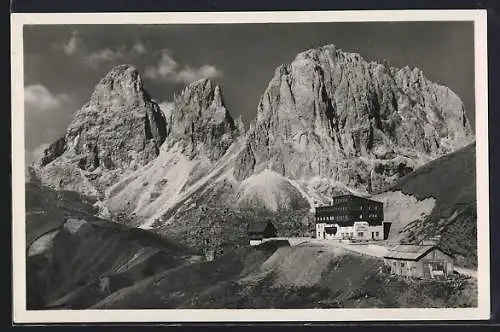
(200, 130)
(200, 122)
(119, 130)
(334, 115)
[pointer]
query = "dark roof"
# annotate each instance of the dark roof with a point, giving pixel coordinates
(411, 252)
(358, 197)
(259, 226)
(346, 223)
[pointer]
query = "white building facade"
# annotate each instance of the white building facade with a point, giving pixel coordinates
(359, 230)
(350, 217)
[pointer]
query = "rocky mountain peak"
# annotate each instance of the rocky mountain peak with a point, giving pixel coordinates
(332, 114)
(200, 121)
(121, 85)
(118, 130)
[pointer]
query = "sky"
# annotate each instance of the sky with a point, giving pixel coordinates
(63, 63)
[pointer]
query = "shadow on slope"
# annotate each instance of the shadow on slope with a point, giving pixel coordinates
(180, 287)
(451, 180)
(75, 258)
(241, 280)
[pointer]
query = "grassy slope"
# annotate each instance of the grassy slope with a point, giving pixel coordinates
(67, 274)
(451, 180)
(237, 280)
(181, 287)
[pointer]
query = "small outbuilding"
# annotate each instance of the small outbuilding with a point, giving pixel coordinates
(260, 230)
(420, 261)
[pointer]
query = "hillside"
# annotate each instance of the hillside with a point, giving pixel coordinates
(75, 258)
(89, 262)
(280, 276)
(451, 181)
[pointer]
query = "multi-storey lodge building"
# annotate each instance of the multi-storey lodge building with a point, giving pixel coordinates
(351, 217)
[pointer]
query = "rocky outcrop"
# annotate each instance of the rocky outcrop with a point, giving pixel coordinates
(199, 132)
(120, 129)
(332, 114)
(199, 121)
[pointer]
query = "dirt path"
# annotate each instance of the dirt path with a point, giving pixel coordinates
(374, 250)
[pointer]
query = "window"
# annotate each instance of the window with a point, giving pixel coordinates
(376, 234)
(402, 264)
(360, 234)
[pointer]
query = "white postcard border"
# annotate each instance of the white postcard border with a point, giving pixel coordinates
(21, 315)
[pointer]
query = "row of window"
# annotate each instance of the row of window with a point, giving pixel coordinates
(350, 234)
(341, 217)
(337, 208)
(348, 208)
(340, 200)
(333, 218)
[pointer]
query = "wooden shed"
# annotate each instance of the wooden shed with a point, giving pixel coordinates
(259, 230)
(421, 261)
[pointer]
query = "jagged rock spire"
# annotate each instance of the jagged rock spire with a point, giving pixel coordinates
(200, 121)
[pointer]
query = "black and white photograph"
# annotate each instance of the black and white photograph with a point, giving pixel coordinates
(214, 166)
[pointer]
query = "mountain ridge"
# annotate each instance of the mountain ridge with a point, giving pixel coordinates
(328, 123)
(338, 107)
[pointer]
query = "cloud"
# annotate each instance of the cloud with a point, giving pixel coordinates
(95, 58)
(139, 47)
(74, 44)
(168, 69)
(165, 67)
(76, 47)
(189, 74)
(40, 98)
